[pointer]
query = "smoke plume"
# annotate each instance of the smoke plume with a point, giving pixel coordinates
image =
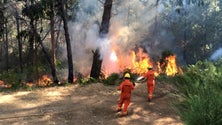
(129, 25)
(217, 54)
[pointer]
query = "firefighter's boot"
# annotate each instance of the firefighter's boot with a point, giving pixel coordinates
(118, 109)
(149, 99)
(124, 113)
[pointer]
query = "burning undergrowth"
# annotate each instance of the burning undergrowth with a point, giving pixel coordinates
(137, 64)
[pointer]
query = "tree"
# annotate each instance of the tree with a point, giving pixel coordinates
(1, 33)
(104, 29)
(6, 44)
(1, 23)
(39, 11)
(34, 11)
(4, 23)
(62, 4)
(19, 40)
(52, 23)
(49, 8)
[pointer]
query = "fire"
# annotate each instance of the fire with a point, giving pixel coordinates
(171, 67)
(113, 56)
(4, 85)
(29, 84)
(141, 62)
(138, 62)
(45, 81)
(75, 79)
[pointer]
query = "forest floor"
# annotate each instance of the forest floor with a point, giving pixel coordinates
(93, 104)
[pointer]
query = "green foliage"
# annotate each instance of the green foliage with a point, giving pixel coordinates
(18, 80)
(29, 88)
(164, 78)
(112, 79)
(201, 88)
(86, 81)
(204, 108)
(34, 11)
(60, 64)
(115, 78)
(12, 78)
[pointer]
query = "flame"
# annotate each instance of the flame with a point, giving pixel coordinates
(138, 62)
(171, 67)
(113, 56)
(45, 81)
(30, 84)
(75, 79)
(141, 62)
(1, 82)
(4, 85)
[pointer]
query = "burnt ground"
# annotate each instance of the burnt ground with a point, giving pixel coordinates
(92, 104)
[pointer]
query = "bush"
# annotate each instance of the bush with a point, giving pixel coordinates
(204, 108)
(112, 79)
(201, 88)
(12, 78)
(86, 81)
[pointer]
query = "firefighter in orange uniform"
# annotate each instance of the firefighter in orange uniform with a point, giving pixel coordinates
(126, 87)
(150, 75)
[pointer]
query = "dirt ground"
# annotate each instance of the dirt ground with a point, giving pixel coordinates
(93, 104)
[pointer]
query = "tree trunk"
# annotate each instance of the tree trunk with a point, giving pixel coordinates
(36, 61)
(31, 43)
(50, 63)
(57, 36)
(68, 43)
(52, 23)
(104, 29)
(96, 66)
(19, 42)
(1, 34)
(36, 64)
(6, 45)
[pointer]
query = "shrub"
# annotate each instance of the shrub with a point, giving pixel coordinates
(203, 108)
(112, 79)
(201, 88)
(12, 78)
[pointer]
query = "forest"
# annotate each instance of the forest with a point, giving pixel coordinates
(58, 43)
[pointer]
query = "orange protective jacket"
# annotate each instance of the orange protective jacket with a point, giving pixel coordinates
(126, 86)
(150, 75)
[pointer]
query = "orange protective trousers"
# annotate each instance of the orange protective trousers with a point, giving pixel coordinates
(150, 88)
(150, 83)
(125, 101)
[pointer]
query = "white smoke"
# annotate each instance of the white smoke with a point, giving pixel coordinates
(129, 23)
(84, 35)
(217, 54)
